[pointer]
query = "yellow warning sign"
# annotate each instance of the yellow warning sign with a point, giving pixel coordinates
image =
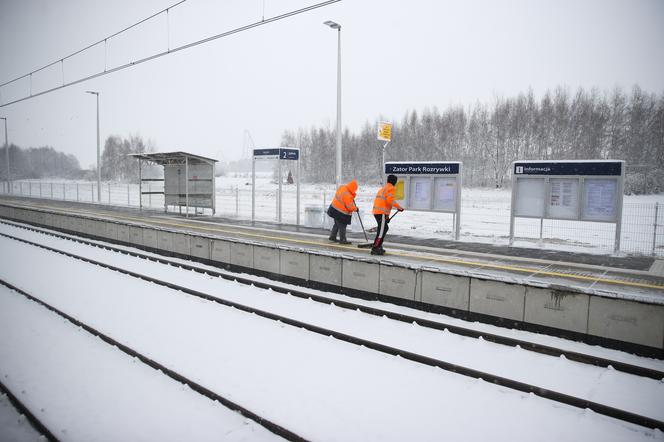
(399, 193)
(385, 131)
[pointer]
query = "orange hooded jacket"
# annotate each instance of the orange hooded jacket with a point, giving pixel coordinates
(344, 198)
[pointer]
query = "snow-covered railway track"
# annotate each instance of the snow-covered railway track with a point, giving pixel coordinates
(25, 411)
(381, 347)
(356, 306)
(195, 386)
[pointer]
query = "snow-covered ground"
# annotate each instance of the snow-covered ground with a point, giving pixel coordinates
(318, 387)
(485, 213)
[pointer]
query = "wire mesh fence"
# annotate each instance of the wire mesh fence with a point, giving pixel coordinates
(483, 219)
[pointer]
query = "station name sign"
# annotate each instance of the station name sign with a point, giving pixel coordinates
(596, 168)
(277, 153)
(422, 168)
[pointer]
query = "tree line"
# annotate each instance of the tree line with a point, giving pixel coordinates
(38, 162)
(46, 162)
(586, 124)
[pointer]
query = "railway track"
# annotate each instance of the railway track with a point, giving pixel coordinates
(377, 346)
(422, 322)
(274, 428)
(32, 419)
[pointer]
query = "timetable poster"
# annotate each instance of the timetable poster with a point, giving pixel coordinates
(600, 199)
(420, 193)
(445, 191)
(564, 198)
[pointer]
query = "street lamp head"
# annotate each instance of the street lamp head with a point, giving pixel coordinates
(332, 24)
(92, 92)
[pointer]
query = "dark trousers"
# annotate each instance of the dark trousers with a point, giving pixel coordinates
(338, 227)
(381, 230)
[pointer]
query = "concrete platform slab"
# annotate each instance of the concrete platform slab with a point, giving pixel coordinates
(397, 282)
(266, 259)
(559, 309)
(626, 321)
(111, 231)
(181, 244)
(445, 290)
(123, 233)
(165, 241)
(359, 275)
(200, 247)
(220, 251)
(242, 255)
(150, 238)
(325, 269)
(294, 264)
(497, 299)
(136, 235)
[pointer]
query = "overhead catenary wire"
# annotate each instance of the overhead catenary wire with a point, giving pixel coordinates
(159, 54)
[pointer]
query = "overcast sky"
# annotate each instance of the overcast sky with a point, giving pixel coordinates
(396, 56)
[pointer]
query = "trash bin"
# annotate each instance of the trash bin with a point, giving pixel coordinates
(313, 216)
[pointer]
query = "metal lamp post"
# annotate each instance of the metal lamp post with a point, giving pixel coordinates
(7, 155)
(98, 155)
(337, 26)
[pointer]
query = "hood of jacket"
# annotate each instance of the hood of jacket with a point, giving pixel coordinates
(352, 187)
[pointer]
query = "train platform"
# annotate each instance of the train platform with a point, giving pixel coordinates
(553, 288)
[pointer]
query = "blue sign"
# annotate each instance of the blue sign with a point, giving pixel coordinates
(289, 154)
(282, 153)
(598, 168)
(422, 168)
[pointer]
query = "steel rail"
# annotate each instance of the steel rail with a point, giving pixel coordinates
(271, 426)
(437, 325)
(563, 398)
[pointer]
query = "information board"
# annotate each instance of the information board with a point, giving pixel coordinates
(589, 190)
(433, 186)
(531, 197)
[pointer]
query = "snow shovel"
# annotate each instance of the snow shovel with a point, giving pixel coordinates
(366, 246)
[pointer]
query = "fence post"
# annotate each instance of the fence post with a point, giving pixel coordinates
(40, 189)
(150, 194)
(92, 193)
(654, 229)
(237, 201)
(128, 195)
(109, 194)
(51, 190)
(77, 192)
(64, 192)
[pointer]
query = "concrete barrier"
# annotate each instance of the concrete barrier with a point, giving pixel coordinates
(165, 241)
(136, 235)
(266, 259)
(554, 308)
(242, 255)
(220, 251)
(111, 231)
(123, 233)
(626, 321)
(397, 282)
(200, 247)
(294, 264)
(325, 269)
(181, 244)
(497, 299)
(358, 275)
(445, 290)
(150, 238)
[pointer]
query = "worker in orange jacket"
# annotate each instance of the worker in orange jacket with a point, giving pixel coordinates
(382, 207)
(341, 210)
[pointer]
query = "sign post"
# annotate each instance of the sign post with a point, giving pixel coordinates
(280, 154)
(384, 134)
(589, 190)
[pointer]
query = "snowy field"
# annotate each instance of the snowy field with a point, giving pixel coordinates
(485, 213)
(313, 385)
